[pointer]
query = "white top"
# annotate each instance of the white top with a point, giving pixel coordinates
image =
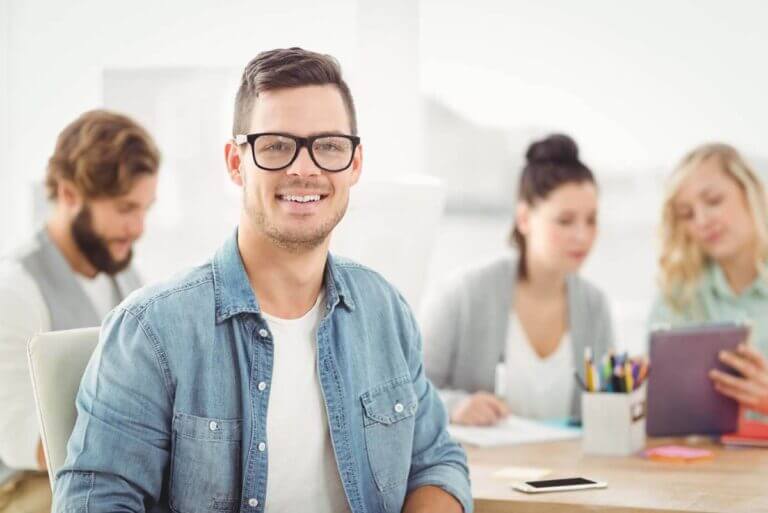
(23, 314)
(302, 472)
(102, 291)
(536, 387)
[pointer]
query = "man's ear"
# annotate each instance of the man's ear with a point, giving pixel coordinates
(522, 217)
(357, 165)
(233, 161)
(69, 196)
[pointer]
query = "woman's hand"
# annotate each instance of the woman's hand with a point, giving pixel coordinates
(750, 390)
(479, 409)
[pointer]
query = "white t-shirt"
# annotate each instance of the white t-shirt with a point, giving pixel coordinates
(302, 472)
(23, 313)
(536, 387)
(102, 291)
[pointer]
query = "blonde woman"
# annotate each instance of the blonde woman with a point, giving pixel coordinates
(714, 261)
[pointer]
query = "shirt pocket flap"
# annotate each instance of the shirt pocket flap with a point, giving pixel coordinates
(390, 402)
(207, 428)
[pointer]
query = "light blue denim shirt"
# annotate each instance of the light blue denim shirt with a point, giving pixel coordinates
(172, 409)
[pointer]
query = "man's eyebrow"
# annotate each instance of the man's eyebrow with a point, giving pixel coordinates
(332, 132)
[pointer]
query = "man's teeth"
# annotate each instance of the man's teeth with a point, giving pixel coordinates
(301, 199)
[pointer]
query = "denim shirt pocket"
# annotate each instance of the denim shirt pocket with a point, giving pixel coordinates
(389, 420)
(205, 464)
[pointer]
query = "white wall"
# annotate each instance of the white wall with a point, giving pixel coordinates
(636, 82)
(6, 192)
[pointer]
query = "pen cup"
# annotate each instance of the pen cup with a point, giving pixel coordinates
(613, 423)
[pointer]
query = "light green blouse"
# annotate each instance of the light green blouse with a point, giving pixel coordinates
(715, 301)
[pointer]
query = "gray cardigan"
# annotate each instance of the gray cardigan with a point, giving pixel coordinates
(464, 325)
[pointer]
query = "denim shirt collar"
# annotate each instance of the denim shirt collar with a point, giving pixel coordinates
(234, 294)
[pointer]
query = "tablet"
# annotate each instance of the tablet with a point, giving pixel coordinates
(682, 399)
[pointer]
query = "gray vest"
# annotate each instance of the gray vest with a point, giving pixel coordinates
(67, 302)
(68, 305)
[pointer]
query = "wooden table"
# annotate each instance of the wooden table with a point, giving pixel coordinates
(734, 481)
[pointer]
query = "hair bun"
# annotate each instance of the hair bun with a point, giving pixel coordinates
(555, 149)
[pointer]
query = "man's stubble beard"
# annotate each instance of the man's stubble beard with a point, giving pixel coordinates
(293, 242)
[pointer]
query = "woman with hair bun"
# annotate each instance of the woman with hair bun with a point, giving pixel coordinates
(528, 309)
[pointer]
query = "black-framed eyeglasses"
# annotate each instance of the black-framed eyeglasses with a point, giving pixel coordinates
(274, 151)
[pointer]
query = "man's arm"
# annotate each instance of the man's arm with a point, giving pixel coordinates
(431, 498)
(118, 453)
(439, 470)
(23, 314)
(41, 464)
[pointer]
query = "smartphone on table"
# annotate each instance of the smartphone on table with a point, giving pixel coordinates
(558, 485)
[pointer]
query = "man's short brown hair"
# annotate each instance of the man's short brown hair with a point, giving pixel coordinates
(285, 68)
(101, 153)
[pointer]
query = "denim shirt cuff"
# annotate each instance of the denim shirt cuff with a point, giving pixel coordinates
(451, 479)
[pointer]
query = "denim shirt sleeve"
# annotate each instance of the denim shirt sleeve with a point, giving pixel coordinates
(119, 449)
(436, 460)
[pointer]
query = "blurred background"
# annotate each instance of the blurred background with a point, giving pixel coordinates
(449, 95)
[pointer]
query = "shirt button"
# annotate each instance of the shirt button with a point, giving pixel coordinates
(213, 425)
(253, 502)
(262, 446)
(263, 333)
(399, 408)
(262, 386)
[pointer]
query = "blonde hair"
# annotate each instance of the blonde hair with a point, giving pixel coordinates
(682, 259)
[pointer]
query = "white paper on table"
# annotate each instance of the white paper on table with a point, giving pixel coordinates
(511, 431)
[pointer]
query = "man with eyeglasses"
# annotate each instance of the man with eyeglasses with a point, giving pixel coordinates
(275, 377)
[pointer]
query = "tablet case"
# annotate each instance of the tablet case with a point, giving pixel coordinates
(682, 399)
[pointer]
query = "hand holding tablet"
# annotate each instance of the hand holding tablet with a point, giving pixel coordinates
(751, 388)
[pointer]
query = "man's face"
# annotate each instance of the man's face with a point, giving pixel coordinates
(106, 228)
(296, 207)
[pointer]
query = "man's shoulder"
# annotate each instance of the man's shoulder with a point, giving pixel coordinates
(361, 280)
(14, 258)
(185, 291)
(14, 276)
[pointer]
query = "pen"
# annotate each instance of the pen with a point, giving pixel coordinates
(643, 374)
(579, 380)
(628, 376)
(588, 368)
(606, 374)
(615, 379)
(595, 379)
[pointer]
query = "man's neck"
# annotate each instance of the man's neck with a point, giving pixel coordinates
(61, 235)
(285, 282)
